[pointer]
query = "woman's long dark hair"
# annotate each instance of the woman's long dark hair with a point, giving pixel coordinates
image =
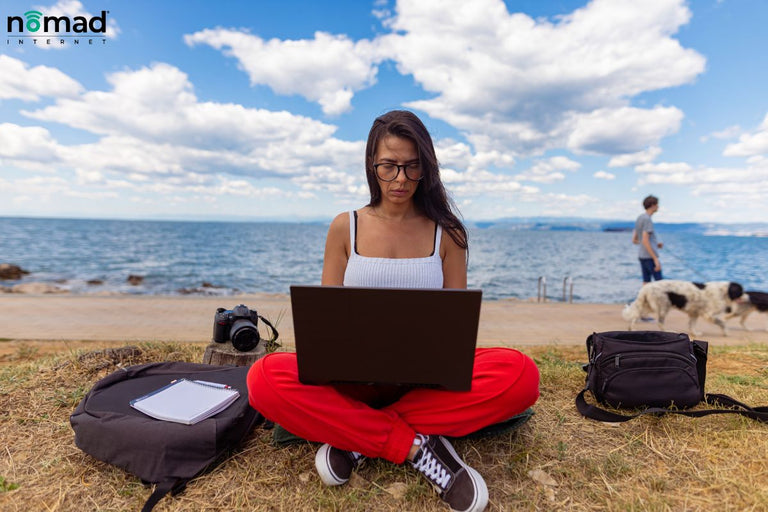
(430, 196)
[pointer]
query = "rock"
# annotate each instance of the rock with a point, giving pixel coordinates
(135, 280)
(36, 288)
(541, 477)
(204, 289)
(9, 271)
(94, 281)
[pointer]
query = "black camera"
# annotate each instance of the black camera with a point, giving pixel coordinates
(237, 324)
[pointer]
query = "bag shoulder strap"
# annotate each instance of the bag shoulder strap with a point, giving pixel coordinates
(596, 413)
(170, 485)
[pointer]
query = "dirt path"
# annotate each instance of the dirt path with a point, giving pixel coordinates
(52, 323)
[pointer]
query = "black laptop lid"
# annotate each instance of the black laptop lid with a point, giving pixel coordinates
(408, 336)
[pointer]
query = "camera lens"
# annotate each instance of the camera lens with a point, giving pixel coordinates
(244, 335)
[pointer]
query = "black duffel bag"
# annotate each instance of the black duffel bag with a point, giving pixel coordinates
(662, 372)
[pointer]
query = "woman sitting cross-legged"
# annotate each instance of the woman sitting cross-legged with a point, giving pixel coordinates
(406, 237)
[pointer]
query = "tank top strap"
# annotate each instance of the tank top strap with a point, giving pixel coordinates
(438, 238)
(352, 232)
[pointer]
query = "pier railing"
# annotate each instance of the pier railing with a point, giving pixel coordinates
(541, 294)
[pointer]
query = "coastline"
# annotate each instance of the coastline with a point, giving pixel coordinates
(65, 322)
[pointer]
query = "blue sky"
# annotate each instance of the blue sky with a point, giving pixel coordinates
(260, 110)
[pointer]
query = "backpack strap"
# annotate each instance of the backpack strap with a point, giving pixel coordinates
(596, 413)
(170, 485)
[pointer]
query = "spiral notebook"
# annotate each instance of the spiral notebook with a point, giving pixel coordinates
(186, 401)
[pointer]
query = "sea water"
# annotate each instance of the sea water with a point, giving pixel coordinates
(506, 259)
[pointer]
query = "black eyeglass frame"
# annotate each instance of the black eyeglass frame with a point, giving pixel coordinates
(404, 168)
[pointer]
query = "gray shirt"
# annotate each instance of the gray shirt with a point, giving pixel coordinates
(644, 224)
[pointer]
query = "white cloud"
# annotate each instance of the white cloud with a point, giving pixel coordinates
(459, 155)
(510, 83)
(747, 186)
(664, 168)
(473, 183)
(20, 81)
(730, 132)
(328, 69)
(533, 203)
(155, 136)
(549, 170)
(508, 80)
(32, 143)
(158, 104)
(152, 122)
(602, 175)
(342, 184)
(632, 159)
(38, 189)
(750, 144)
(622, 130)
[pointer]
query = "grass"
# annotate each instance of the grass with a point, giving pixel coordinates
(557, 461)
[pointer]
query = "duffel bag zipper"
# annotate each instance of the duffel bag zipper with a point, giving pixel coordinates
(611, 378)
(660, 355)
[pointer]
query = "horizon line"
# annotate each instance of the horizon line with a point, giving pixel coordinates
(298, 220)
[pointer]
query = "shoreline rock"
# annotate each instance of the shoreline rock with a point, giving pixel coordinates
(11, 272)
(36, 288)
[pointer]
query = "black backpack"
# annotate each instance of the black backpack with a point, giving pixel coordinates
(659, 372)
(160, 452)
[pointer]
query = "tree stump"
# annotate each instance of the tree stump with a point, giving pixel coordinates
(224, 354)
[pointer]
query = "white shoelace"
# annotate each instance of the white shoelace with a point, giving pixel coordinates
(433, 469)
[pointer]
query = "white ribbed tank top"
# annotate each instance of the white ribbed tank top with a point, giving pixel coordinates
(372, 272)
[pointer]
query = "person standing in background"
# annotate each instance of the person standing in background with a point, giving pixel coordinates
(645, 236)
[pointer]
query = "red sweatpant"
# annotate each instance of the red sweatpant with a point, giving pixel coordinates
(505, 382)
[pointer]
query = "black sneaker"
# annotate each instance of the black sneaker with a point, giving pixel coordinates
(335, 466)
(457, 484)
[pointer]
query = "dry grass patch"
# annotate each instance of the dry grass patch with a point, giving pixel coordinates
(557, 461)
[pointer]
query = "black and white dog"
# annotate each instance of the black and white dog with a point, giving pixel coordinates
(751, 301)
(708, 300)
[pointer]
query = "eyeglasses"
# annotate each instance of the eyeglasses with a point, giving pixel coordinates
(388, 171)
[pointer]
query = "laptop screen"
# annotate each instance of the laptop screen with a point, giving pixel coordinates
(423, 337)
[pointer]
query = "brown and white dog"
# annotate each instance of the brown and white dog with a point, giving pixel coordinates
(708, 300)
(751, 301)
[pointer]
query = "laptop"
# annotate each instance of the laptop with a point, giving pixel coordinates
(420, 337)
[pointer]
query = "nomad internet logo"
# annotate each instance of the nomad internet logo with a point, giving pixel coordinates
(38, 29)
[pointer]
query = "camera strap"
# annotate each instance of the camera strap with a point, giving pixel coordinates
(274, 331)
